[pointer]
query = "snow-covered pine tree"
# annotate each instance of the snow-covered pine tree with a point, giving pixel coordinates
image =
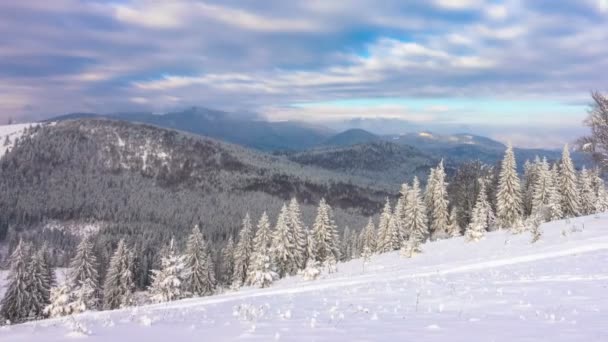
(570, 204)
(48, 265)
(312, 270)
(429, 195)
(298, 232)
(346, 244)
(601, 206)
(38, 286)
(368, 236)
(453, 226)
(366, 255)
(15, 304)
(168, 281)
(283, 246)
(383, 229)
(402, 202)
(481, 217)
(331, 264)
(554, 206)
(531, 172)
(118, 286)
(587, 194)
(325, 234)
(61, 302)
(228, 261)
(393, 236)
(199, 273)
(542, 189)
(262, 271)
(83, 273)
(439, 203)
(416, 220)
(508, 197)
(242, 253)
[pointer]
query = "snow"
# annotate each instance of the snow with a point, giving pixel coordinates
(502, 288)
(13, 132)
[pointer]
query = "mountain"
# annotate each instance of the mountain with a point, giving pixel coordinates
(230, 127)
(351, 137)
(130, 178)
(380, 161)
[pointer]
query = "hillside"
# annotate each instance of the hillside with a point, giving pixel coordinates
(351, 137)
(503, 289)
(383, 162)
(125, 179)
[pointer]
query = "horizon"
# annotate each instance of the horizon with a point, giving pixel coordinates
(507, 70)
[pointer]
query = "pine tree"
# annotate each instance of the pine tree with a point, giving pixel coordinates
(38, 286)
(119, 283)
(311, 271)
(439, 203)
(601, 205)
(242, 253)
(61, 302)
(453, 227)
(542, 190)
(429, 194)
(368, 236)
(44, 250)
(262, 252)
(298, 232)
(16, 301)
(393, 236)
(263, 269)
(325, 233)
(228, 261)
(83, 273)
(415, 214)
(383, 228)
(283, 246)
(554, 206)
(482, 216)
(568, 185)
(531, 173)
(587, 194)
(508, 198)
(199, 273)
(168, 281)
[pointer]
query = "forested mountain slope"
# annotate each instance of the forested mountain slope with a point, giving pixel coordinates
(131, 179)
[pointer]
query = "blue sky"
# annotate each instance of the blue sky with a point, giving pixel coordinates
(505, 68)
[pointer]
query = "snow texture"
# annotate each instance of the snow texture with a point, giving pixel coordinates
(502, 288)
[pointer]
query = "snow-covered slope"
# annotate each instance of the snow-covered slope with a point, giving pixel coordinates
(500, 289)
(12, 132)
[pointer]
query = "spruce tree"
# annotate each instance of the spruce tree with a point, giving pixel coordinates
(83, 273)
(15, 304)
(383, 228)
(453, 226)
(228, 261)
(482, 216)
(429, 194)
(508, 198)
(368, 236)
(416, 220)
(439, 203)
(325, 234)
(298, 232)
(119, 284)
(601, 205)
(242, 253)
(262, 266)
(542, 190)
(38, 286)
(283, 246)
(199, 274)
(393, 237)
(167, 282)
(570, 204)
(587, 193)
(554, 206)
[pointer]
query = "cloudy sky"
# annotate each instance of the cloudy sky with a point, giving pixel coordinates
(517, 70)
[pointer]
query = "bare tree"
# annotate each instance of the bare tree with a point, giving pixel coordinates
(597, 121)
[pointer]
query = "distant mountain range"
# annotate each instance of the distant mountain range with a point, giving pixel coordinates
(298, 138)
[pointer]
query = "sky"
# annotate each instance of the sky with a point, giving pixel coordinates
(514, 70)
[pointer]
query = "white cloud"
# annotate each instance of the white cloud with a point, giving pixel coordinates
(458, 4)
(496, 12)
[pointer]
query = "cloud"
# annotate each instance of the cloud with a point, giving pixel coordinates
(151, 55)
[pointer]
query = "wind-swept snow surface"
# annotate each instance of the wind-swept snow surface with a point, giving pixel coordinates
(501, 288)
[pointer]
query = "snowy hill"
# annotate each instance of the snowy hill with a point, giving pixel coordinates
(8, 135)
(500, 289)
